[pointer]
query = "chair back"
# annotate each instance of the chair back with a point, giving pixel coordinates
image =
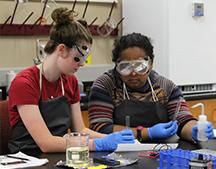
(5, 129)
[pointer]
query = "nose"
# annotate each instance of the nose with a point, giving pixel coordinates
(133, 73)
(81, 63)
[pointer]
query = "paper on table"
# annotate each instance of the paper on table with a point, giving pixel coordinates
(137, 146)
(214, 131)
(31, 162)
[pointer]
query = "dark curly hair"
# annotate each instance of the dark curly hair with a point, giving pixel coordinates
(132, 40)
(66, 30)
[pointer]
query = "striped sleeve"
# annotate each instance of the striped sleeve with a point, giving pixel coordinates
(177, 107)
(100, 105)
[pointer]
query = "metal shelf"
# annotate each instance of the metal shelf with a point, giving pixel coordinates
(96, 1)
(31, 30)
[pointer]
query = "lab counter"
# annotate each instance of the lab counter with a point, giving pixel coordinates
(143, 161)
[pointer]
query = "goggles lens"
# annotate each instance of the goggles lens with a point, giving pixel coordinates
(84, 51)
(80, 58)
(138, 66)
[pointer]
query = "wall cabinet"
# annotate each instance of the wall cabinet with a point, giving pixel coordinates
(210, 109)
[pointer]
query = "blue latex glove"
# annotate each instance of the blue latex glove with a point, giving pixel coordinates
(110, 142)
(208, 131)
(163, 130)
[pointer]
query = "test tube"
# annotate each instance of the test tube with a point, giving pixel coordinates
(127, 121)
(177, 110)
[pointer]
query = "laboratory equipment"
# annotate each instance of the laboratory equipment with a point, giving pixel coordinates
(201, 124)
(179, 158)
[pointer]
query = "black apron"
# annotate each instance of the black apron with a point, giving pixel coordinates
(144, 114)
(56, 113)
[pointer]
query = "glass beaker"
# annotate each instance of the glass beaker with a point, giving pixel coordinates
(77, 151)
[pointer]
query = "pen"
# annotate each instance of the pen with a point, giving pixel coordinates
(20, 158)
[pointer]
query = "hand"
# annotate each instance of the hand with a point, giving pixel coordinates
(209, 131)
(163, 130)
(110, 142)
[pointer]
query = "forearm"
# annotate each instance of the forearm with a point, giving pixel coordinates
(186, 132)
(121, 127)
(53, 144)
(58, 144)
(93, 134)
(91, 145)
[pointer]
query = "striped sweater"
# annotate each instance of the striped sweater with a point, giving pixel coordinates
(106, 94)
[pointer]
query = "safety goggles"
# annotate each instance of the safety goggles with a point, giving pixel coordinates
(84, 51)
(126, 67)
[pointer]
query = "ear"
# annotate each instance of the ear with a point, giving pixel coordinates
(62, 50)
(151, 64)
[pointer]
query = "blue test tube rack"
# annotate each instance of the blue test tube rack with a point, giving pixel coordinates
(179, 159)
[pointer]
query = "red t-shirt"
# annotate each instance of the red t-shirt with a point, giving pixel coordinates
(25, 89)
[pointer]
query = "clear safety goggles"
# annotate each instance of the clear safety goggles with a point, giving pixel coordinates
(84, 51)
(126, 67)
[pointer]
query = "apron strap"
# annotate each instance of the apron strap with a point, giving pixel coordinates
(40, 79)
(154, 96)
(62, 86)
(125, 93)
(40, 66)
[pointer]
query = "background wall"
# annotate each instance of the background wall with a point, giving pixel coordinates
(184, 45)
(19, 51)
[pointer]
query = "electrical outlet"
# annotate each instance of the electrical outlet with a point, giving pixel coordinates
(198, 9)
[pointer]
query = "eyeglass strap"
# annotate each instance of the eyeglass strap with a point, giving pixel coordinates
(125, 92)
(154, 96)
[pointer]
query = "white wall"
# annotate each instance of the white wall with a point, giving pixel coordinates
(185, 48)
(19, 51)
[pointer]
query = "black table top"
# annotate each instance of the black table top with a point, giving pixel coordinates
(144, 162)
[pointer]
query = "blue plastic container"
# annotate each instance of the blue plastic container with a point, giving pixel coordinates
(179, 159)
